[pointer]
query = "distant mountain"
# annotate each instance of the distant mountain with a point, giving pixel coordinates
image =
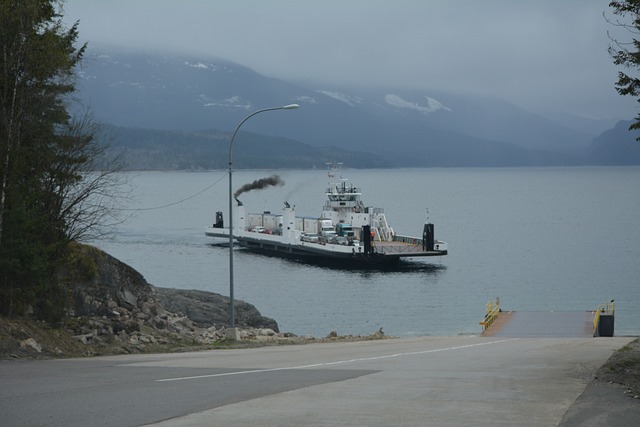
(396, 127)
(591, 128)
(617, 146)
(148, 149)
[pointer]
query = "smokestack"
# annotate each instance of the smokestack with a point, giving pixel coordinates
(260, 184)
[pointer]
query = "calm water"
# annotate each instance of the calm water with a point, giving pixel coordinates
(538, 238)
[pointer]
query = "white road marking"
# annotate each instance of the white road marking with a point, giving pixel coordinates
(339, 362)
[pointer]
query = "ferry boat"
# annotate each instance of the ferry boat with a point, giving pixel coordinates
(346, 232)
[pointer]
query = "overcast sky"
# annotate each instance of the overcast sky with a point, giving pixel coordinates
(538, 54)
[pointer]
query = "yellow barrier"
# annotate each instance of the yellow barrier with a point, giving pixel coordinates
(492, 311)
(606, 309)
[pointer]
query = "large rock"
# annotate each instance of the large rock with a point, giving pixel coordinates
(111, 290)
(112, 309)
(208, 309)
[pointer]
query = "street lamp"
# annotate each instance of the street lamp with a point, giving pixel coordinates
(231, 303)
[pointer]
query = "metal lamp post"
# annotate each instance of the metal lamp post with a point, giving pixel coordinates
(231, 302)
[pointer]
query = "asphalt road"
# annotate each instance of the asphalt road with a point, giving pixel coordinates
(435, 381)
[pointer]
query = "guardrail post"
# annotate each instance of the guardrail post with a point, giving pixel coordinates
(492, 312)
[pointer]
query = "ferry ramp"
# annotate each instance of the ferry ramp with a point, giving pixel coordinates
(542, 324)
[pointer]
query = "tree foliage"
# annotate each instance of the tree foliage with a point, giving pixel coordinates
(626, 53)
(46, 199)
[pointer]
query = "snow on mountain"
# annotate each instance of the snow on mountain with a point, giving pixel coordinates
(235, 102)
(408, 127)
(198, 65)
(306, 99)
(431, 107)
(351, 101)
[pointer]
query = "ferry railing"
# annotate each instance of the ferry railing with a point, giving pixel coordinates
(389, 248)
(408, 240)
(606, 309)
(492, 309)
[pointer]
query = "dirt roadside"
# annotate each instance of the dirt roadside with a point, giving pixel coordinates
(623, 368)
(613, 396)
(29, 339)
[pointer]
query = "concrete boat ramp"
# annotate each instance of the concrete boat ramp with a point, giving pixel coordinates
(548, 324)
(543, 324)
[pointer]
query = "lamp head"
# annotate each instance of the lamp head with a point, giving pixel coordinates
(291, 107)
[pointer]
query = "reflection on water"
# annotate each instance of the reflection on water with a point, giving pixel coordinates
(402, 266)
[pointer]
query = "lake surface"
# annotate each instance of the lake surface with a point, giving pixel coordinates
(537, 238)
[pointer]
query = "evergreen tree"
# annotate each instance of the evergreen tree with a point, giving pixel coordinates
(43, 155)
(627, 53)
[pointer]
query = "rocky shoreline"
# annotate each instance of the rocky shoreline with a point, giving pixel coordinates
(113, 310)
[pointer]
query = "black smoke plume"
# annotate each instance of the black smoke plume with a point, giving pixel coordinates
(259, 184)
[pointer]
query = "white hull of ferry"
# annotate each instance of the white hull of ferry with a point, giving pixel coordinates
(372, 241)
